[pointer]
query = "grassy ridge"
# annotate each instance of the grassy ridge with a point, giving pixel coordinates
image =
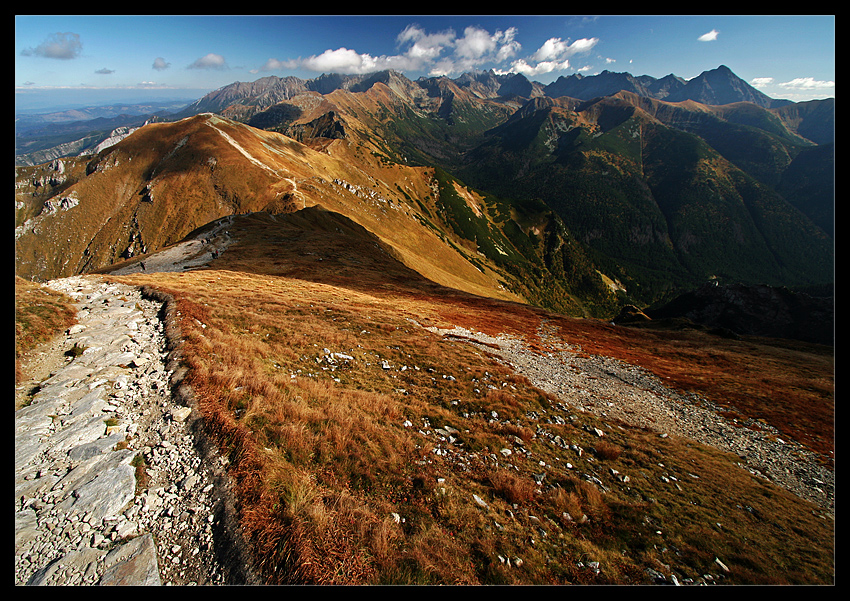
(356, 471)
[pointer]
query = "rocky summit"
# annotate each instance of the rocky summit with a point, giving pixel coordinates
(110, 488)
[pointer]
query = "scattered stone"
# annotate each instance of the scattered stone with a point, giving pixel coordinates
(132, 564)
(78, 446)
(590, 382)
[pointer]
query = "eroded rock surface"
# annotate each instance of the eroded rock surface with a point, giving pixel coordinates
(110, 487)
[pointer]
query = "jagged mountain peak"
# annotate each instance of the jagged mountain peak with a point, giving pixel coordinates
(721, 86)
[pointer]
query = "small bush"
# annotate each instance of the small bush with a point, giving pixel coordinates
(606, 450)
(513, 488)
(138, 462)
(76, 351)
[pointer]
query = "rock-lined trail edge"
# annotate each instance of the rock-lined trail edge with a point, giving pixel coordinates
(111, 483)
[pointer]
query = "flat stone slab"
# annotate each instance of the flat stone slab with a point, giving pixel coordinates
(26, 527)
(132, 564)
(108, 494)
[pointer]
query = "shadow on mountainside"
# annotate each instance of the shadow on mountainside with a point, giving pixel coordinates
(755, 311)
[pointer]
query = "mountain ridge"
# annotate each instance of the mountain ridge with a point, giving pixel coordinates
(389, 307)
(491, 169)
(245, 98)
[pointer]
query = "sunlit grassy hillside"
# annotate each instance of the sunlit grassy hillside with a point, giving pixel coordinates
(366, 449)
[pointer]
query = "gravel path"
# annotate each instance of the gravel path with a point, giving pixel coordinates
(611, 388)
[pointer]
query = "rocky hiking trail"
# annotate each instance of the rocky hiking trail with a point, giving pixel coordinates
(86, 510)
(81, 516)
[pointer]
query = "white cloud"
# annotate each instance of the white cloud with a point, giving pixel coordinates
(445, 53)
(807, 83)
(341, 60)
(582, 45)
(551, 48)
(556, 48)
(520, 66)
(425, 46)
(709, 37)
(58, 45)
(510, 47)
(477, 47)
(553, 55)
(474, 44)
(210, 61)
(159, 64)
(760, 82)
(440, 53)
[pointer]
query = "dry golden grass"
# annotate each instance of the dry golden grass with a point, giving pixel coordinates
(40, 314)
(344, 478)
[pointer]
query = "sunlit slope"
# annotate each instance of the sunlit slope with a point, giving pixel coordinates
(167, 180)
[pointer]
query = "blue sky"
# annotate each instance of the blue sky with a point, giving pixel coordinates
(131, 57)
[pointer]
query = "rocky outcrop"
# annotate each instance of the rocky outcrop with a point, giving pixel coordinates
(631, 314)
(329, 125)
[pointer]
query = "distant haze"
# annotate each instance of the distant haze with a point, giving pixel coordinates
(46, 100)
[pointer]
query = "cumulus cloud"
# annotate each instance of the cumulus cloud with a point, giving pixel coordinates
(807, 83)
(761, 82)
(341, 60)
(345, 60)
(440, 53)
(553, 55)
(210, 61)
(520, 66)
(159, 64)
(422, 45)
(58, 45)
(709, 37)
(446, 53)
(478, 46)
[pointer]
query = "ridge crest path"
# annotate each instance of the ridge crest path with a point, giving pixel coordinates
(81, 517)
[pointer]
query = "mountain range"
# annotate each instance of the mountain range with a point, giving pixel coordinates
(577, 196)
(472, 318)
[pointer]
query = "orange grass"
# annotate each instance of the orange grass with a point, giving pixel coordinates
(350, 473)
(336, 489)
(40, 314)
